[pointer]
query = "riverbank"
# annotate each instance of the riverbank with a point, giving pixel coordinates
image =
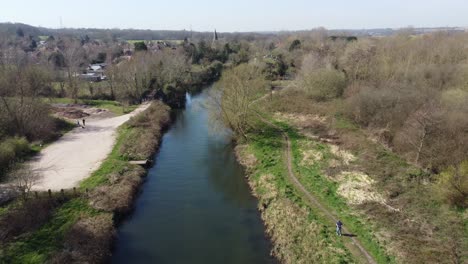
(79, 225)
(281, 143)
(296, 230)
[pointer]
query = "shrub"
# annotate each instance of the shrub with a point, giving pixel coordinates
(323, 84)
(88, 241)
(11, 150)
(147, 127)
(31, 215)
(140, 46)
(296, 44)
(453, 184)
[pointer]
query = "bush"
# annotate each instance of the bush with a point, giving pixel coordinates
(31, 215)
(88, 241)
(140, 46)
(323, 84)
(453, 184)
(147, 127)
(11, 150)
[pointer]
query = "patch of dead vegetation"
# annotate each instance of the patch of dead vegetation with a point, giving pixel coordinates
(302, 121)
(344, 156)
(245, 158)
(310, 155)
(357, 188)
(25, 218)
(88, 241)
(147, 128)
(295, 238)
(267, 189)
(118, 196)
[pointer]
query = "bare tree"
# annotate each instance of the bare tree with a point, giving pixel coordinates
(418, 128)
(23, 179)
(74, 56)
(231, 100)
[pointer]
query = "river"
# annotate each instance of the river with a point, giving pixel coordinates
(195, 206)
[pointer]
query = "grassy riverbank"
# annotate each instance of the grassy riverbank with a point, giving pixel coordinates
(78, 227)
(299, 233)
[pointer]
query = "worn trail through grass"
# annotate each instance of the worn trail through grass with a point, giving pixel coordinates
(351, 242)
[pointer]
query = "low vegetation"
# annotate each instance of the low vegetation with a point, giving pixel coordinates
(297, 230)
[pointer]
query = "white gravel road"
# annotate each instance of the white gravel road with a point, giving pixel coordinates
(77, 154)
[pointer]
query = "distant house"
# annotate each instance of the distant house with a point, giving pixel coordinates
(98, 67)
(91, 77)
(94, 73)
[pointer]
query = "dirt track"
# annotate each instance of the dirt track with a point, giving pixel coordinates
(350, 241)
(77, 154)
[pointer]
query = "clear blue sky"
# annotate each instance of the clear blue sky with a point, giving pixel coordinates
(237, 15)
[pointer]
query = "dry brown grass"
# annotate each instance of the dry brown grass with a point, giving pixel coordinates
(119, 195)
(88, 241)
(147, 127)
(26, 217)
(245, 158)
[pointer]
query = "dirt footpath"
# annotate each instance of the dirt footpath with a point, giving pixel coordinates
(77, 154)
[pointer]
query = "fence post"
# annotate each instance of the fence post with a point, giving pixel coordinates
(50, 193)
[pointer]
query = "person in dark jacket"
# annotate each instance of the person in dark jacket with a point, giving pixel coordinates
(338, 227)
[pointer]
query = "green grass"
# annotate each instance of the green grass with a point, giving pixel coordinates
(113, 106)
(314, 181)
(36, 247)
(114, 163)
(267, 147)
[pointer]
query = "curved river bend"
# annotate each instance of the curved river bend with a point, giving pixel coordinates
(195, 206)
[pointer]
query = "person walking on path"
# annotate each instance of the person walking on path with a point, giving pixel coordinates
(84, 122)
(78, 122)
(338, 227)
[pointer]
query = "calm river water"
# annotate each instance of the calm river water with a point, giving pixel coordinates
(195, 206)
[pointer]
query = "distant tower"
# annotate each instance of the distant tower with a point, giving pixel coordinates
(215, 36)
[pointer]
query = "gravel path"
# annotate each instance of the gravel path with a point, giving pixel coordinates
(77, 154)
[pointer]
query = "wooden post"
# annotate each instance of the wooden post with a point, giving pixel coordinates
(50, 193)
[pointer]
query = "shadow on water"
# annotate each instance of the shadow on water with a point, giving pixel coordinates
(195, 206)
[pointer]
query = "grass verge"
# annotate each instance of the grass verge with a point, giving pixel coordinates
(299, 233)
